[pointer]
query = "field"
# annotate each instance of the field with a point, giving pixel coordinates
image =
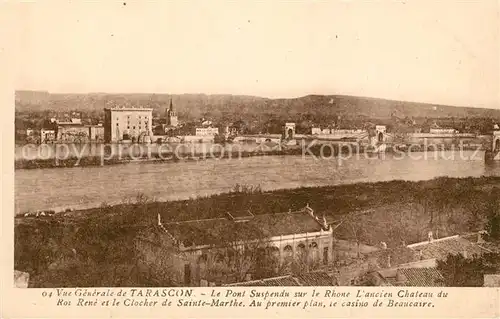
(94, 247)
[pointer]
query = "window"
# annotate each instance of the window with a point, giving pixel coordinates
(128, 127)
(288, 251)
(116, 124)
(134, 127)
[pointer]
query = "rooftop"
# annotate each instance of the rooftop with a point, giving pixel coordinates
(411, 277)
(441, 248)
(70, 124)
(243, 226)
(421, 277)
(393, 256)
(129, 109)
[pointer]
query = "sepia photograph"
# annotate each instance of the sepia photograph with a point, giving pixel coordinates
(183, 144)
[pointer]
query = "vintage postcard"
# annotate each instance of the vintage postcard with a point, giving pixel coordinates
(251, 159)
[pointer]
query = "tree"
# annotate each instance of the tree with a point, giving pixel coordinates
(493, 211)
(493, 228)
(238, 253)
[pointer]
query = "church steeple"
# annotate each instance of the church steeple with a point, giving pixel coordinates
(171, 116)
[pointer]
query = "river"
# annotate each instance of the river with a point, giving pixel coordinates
(81, 187)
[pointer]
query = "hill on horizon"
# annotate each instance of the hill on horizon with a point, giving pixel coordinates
(229, 106)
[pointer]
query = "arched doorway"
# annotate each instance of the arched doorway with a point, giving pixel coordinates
(497, 145)
(301, 253)
(289, 133)
(273, 252)
(313, 247)
(287, 252)
(287, 258)
(380, 137)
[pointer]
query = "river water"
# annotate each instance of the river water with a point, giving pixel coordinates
(81, 187)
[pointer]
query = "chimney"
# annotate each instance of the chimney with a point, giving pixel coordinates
(324, 223)
(430, 236)
(480, 239)
(310, 212)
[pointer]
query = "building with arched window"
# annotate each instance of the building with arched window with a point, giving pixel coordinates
(239, 246)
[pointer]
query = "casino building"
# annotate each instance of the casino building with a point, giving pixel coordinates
(231, 248)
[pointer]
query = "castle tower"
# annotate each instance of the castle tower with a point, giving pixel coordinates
(171, 116)
(289, 131)
(493, 153)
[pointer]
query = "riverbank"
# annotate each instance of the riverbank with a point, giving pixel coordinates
(325, 150)
(94, 247)
(148, 158)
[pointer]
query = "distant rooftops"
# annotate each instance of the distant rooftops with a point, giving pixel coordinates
(120, 108)
(74, 121)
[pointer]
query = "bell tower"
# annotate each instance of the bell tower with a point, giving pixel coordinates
(171, 115)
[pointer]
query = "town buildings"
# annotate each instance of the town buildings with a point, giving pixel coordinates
(443, 131)
(206, 131)
(238, 246)
(127, 124)
(47, 135)
(78, 133)
(416, 264)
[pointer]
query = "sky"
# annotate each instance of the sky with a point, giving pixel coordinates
(444, 52)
